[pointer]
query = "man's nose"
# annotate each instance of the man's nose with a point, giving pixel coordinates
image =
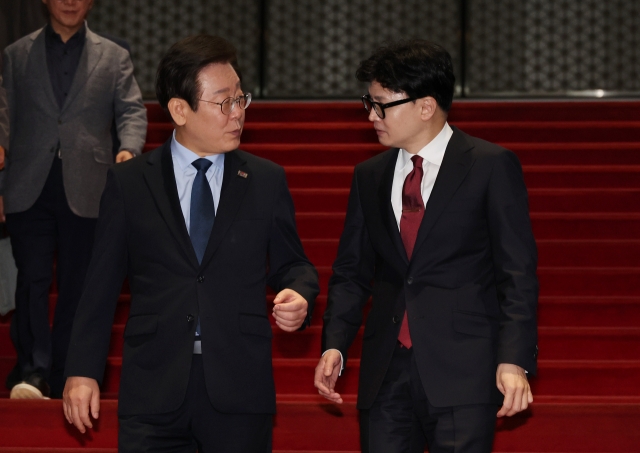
(373, 115)
(236, 113)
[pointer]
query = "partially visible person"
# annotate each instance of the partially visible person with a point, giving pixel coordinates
(4, 124)
(438, 232)
(4, 139)
(114, 127)
(65, 86)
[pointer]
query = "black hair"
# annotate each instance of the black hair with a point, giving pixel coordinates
(178, 71)
(419, 68)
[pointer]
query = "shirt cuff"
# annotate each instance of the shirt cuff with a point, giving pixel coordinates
(341, 359)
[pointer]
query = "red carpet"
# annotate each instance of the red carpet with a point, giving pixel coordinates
(581, 162)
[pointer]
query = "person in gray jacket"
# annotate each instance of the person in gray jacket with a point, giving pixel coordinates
(65, 86)
(4, 137)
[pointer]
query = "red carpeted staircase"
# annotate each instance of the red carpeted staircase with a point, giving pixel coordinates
(582, 166)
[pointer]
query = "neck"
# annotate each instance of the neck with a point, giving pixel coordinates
(64, 31)
(431, 131)
(185, 140)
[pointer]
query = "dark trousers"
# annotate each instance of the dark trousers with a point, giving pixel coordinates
(403, 421)
(196, 425)
(49, 226)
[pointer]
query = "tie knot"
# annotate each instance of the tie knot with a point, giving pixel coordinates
(417, 161)
(202, 164)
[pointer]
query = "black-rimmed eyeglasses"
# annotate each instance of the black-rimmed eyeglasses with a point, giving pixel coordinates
(379, 107)
(229, 104)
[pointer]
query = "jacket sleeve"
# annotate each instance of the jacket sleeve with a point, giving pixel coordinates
(4, 117)
(288, 264)
(350, 285)
(91, 330)
(130, 112)
(6, 80)
(514, 260)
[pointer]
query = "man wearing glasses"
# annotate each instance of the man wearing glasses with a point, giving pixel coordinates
(199, 228)
(438, 232)
(65, 88)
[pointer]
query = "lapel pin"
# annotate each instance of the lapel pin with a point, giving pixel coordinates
(242, 174)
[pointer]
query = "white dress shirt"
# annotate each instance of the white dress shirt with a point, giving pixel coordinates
(432, 155)
(186, 173)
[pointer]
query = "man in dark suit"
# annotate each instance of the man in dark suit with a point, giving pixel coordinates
(200, 228)
(438, 231)
(65, 88)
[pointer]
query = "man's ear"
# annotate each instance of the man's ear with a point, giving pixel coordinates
(179, 109)
(428, 107)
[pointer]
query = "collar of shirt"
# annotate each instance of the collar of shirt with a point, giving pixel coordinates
(184, 157)
(433, 152)
(53, 38)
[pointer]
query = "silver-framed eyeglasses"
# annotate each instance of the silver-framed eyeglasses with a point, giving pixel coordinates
(229, 104)
(379, 107)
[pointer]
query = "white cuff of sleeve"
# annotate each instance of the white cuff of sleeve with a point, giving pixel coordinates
(341, 359)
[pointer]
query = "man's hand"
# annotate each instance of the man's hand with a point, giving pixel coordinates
(327, 373)
(289, 310)
(123, 155)
(1, 157)
(512, 382)
(81, 394)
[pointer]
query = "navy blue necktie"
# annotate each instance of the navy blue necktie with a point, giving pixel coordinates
(202, 213)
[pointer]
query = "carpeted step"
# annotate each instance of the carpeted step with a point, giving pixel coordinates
(556, 343)
(319, 225)
(317, 426)
(582, 176)
(555, 377)
(461, 110)
(536, 176)
(540, 199)
(332, 154)
(363, 132)
(551, 252)
(589, 311)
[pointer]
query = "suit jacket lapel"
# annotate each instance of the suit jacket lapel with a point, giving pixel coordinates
(233, 190)
(91, 54)
(38, 69)
(455, 165)
(161, 180)
(386, 209)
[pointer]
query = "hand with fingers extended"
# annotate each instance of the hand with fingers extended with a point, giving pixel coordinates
(327, 373)
(80, 395)
(513, 383)
(289, 310)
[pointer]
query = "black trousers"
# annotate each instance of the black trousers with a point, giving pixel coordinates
(196, 425)
(402, 420)
(37, 234)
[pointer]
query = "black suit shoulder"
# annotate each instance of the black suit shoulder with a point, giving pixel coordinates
(488, 150)
(259, 163)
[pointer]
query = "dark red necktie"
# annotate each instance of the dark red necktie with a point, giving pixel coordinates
(412, 213)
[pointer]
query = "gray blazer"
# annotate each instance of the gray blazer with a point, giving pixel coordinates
(4, 118)
(104, 87)
(4, 125)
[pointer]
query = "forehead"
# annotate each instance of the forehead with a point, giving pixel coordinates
(218, 78)
(378, 92)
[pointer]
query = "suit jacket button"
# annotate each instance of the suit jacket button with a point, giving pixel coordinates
(189, 318)
(200, 278)
(396, 319)
(410, 280)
